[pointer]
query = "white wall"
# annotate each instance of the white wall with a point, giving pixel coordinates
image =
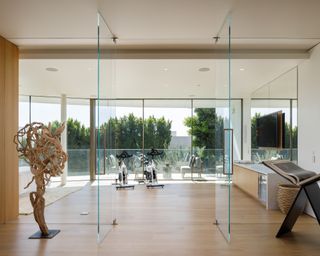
(309, 113)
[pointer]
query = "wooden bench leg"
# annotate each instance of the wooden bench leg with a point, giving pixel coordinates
(313, 193)
(294, 212)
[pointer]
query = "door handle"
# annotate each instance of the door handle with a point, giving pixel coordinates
(228, 167)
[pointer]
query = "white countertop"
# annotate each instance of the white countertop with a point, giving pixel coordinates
(260, 168)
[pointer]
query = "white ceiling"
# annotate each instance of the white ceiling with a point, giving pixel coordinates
(273, 25)
(150, 78)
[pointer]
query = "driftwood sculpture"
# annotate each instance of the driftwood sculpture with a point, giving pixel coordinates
(41, 148)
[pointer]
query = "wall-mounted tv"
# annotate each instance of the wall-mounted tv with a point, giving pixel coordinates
(271, 130)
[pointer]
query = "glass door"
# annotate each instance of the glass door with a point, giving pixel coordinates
(106, 165)
(223, 138)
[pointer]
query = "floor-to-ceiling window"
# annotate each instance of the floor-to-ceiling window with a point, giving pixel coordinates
(78, 136)
(178, 127)
(166, 129)
(128, 136)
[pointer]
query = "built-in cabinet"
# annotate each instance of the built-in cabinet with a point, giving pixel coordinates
(259, 182)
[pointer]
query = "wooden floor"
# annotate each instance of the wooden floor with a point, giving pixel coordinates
(176, 220)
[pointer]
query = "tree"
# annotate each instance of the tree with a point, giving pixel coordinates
(206, 128)
(121, 133)
(78, 136)
(127, 131)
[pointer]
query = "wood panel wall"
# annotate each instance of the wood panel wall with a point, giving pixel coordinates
(9, 173)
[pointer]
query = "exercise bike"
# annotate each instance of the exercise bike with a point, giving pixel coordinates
(122, 181)
(151, 170)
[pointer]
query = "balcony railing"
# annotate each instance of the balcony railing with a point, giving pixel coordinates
(172, 164)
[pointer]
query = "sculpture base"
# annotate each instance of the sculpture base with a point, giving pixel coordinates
(39, 235)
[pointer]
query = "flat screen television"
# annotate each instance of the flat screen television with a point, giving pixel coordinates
(270, 130)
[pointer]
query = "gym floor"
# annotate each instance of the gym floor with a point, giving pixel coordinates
(176, 220)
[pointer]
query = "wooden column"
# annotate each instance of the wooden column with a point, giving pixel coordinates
(9, 174)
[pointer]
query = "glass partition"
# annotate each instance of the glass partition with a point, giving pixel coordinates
(105, 113)
(280, 94)
(208, 136)
(222, 138)
(284, 86)
(259, 108)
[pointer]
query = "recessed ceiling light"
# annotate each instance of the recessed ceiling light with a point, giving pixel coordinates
(165, 69)
(204, 69)
(241, 69)
(51, 69)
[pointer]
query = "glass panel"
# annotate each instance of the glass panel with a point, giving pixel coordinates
(78, 124)
(206, 124)
(283, 87)
(236, 125)
(222, 139)
(263, 107)
(105, 112)
(280, 94)
(166, 129)
(208, 136)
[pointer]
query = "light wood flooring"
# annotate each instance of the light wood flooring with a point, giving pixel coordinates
(176, 220)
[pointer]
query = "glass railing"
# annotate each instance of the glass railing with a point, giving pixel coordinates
(258, 155)
(78, 162)
(173, 164)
